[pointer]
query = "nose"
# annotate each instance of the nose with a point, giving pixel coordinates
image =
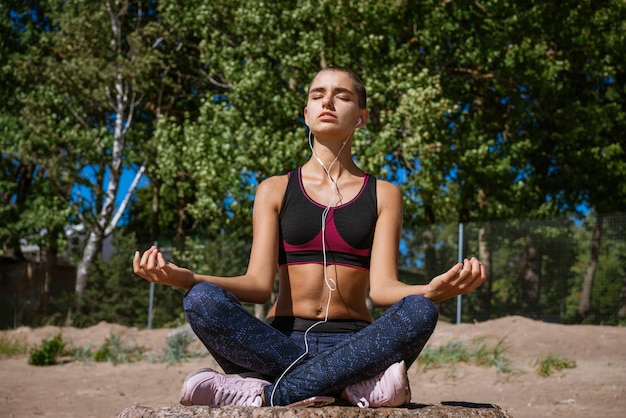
(327, 102)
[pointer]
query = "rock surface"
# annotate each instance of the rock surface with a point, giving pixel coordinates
(447, 410)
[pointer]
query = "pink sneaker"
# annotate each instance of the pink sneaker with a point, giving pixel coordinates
(389, 388)
(208, 387)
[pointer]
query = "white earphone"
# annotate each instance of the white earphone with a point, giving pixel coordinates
(331, 283)
(359, 121)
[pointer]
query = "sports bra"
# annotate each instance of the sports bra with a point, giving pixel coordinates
(349, 227)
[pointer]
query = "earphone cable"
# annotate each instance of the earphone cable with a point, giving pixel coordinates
(330, 282)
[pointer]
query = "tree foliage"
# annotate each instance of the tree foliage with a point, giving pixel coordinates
(481, 111)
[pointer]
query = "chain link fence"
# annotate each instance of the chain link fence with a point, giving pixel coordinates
(558, 270)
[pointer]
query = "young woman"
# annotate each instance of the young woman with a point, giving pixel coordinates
(332, 232)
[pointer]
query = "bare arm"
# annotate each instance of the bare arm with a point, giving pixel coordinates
(385, 288)
(255, 285)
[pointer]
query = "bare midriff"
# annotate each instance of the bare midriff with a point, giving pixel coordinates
(304, 293)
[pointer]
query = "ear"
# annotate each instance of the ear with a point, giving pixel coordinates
(306, 116)
(364, 115)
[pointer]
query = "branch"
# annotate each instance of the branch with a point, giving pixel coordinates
(215, 82)
(120, 211)
(158, 41)
(78, 118)
(474, 73)
(107, 91)
(131, 112)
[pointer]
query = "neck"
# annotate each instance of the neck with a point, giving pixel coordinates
(329, 153)
(330, 158)
(327, 165)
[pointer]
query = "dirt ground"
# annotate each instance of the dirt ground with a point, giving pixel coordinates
(596, 387)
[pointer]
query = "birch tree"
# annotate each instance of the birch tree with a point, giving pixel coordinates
(89, 75)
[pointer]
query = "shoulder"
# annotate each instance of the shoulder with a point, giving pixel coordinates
(274, 182)
(388, 198)
(386, 190)
(272, 190)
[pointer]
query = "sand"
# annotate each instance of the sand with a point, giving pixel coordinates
(596, 387)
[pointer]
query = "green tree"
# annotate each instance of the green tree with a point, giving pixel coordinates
(16, 177)
(88, 73)
(540, 114)
(29, 210)
(258, 59)
(480, 111)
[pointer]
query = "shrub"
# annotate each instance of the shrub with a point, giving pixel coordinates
(46, 354)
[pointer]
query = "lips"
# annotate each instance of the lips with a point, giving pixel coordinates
(327, 116)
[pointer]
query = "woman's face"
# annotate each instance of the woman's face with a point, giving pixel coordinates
(332, 105)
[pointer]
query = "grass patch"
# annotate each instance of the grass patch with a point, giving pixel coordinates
(12, 347)
(451, 354)
(177, 347)
(553, 363)
(81, 354)
(113, 351)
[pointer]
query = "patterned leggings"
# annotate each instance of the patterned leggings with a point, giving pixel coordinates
(240, 342)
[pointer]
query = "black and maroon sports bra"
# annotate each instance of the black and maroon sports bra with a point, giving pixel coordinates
(349, 227)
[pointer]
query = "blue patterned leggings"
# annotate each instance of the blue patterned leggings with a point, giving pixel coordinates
(240, 342)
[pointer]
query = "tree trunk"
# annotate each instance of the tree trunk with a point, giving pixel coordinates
(585, 298)
(530, 278)
(484, 255)
(621, 313)
(50, 265)
(181, 203)
(430, 255)
(107, 222)
(154, 227)
(90, 253)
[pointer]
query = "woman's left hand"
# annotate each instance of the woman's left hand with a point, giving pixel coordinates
(461, 279)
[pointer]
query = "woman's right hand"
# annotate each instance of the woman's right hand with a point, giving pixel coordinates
(153, 267)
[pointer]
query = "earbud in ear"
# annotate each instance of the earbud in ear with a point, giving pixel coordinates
(359, 121)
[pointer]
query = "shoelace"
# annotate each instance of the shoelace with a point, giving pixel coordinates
(370, 388)
(363, 403)
(236, 397)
